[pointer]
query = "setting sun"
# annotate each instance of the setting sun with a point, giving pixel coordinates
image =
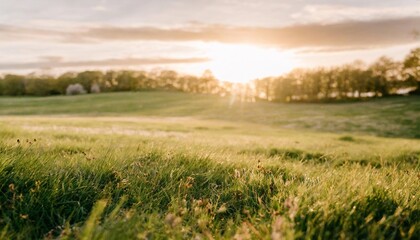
(242, 63)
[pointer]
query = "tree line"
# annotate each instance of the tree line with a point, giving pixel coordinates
(111, 81)
(357, 80)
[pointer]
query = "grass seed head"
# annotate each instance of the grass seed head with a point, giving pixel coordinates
(12, 187)
(222, 208)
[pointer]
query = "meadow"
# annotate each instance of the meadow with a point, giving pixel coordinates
(167, 165)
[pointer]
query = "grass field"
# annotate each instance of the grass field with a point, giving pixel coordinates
(155, 165)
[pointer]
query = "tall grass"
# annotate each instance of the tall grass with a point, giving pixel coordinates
(92, 186)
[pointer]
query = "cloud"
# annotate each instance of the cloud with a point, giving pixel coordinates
(17, 33)
(350, 34)
(344, 34)
(50, 62)
(331, 13)
(51, 59)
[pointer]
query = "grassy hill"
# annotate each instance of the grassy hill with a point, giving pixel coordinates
(157, 165)
(391, 117)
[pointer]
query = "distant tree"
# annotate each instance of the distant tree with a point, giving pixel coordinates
(264, 88)
(384, 70)
(208, 83)
(352, 80)
(190, 83)
(282, 89)
(40, 86)
(167, 79)
(13, 85)
(64, 80)
(87, 78)
(142, 80)
(295, 79)
(359, 78)
(109, 81)
(328, 84)
(225, 88)
(1, 85)
(126, 81)
(411, 68)
(95, 88)
(313, 84)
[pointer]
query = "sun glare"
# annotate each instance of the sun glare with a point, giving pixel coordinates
(242, 63)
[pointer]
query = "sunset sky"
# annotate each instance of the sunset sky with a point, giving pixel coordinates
(238, 40)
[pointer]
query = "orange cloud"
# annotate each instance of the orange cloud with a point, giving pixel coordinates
(346, 34)
(351, 34)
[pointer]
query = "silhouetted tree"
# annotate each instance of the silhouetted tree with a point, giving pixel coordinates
(411, 68)
(382, 74)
